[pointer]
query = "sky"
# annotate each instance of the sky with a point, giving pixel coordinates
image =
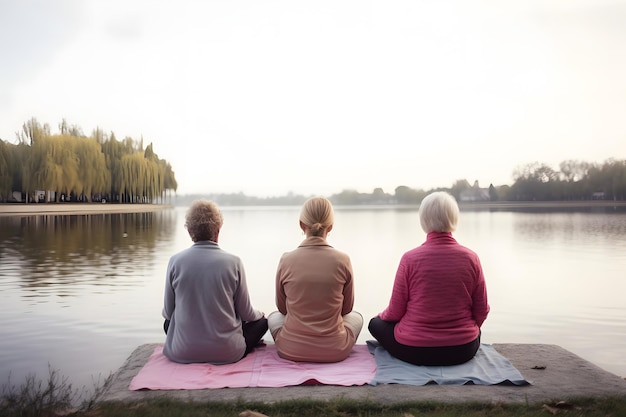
(317, 97)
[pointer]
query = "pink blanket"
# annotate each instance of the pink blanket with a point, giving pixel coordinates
(262, 368)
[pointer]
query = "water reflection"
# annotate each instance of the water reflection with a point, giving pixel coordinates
(82, 292)
(589, 231)
(60, 255)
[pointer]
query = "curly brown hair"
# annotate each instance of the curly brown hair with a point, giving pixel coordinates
(203, 220)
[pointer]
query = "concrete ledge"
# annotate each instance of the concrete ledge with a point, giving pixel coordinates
(565, 376)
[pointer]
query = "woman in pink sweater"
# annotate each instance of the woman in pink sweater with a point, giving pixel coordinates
(439, 297)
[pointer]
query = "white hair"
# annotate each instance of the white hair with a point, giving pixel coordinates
(439, 212)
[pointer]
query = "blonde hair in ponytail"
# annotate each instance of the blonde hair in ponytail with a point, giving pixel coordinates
(317, 214)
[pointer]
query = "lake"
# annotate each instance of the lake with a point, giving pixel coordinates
(79, 293)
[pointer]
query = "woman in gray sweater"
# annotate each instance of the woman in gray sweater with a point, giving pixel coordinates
(207, 309)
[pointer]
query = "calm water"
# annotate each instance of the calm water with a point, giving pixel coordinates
(80, 293)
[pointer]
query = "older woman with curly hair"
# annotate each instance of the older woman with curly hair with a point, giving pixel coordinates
(439, 297)
(207, 309)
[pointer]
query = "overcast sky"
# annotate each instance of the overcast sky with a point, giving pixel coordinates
(314, 97)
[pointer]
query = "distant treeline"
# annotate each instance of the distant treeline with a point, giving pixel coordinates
(575, 181)
(70, 166)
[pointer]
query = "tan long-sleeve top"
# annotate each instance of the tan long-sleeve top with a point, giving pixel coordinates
(314, 289)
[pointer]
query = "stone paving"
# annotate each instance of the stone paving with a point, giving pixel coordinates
(555, 374)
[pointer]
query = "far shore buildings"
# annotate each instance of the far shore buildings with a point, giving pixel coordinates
(474, 194)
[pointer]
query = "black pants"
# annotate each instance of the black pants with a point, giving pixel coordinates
(253, 332)
(428, 356)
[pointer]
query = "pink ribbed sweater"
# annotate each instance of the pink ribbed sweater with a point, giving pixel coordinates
(439, 295)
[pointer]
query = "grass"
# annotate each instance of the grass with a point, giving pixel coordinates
(56, 397)
(350, 408)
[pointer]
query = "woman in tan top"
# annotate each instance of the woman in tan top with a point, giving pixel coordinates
(315, 294)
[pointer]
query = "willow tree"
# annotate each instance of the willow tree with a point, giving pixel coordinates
(154, 175)
(72, 180)
(134, 170)
(92, 168)
(52, 165)
(72, 163)
(19, 156)
(114, 151)
(32, 162)
(169, 179)
(32, 131)
(6, 172)
(99, 135)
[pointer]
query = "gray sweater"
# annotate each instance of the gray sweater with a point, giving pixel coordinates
(206, 300)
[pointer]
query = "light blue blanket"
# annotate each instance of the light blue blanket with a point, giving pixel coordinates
(488, 367)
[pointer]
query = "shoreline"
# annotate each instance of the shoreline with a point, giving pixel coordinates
(33, 209)
(37, 209)
(541, 204)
